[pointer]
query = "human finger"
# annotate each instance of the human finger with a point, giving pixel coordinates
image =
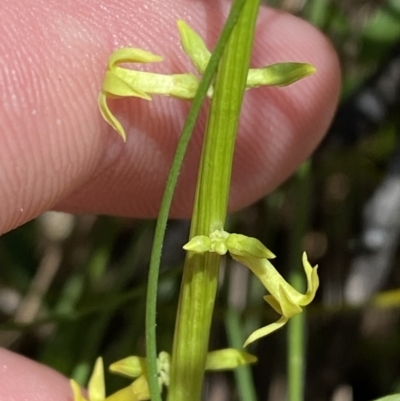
(56, 151)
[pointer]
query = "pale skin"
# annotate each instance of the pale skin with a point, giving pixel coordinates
(56, 152)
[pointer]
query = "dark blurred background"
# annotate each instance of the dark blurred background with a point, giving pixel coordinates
(73, 287)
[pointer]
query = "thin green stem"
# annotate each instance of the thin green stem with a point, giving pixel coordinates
(151, 300)
(296, 326)
(243, 376)
(200, 277)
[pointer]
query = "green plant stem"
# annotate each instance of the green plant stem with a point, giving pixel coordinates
(296, 357)
(200, 276)
(243, 376)
(151, 298)
(296, 325)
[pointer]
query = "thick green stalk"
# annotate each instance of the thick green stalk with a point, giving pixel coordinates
(152, 285)
(200, 277)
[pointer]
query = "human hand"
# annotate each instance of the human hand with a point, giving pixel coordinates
(56, 152)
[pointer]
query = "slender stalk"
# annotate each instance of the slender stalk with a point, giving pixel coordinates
(296, 355)
(243, 377)
(296, 326)
(200, 276)
(151, 298)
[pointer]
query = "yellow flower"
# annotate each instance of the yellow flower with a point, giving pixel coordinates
(137, 391)
(223, 359)
(123, 82)
(135, 366)
(279, 74)
(283, 298)
(227, 359)
(96, 386)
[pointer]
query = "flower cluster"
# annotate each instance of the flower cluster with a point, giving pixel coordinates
(282, 297)
(124, 82)
(136, 367)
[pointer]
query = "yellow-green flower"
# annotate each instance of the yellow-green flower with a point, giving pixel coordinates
(227, 359)
(135, 366)
(223, 359)
(279, 74)
(96, 387)
(124, 82)
(137, 391)
(283, 298)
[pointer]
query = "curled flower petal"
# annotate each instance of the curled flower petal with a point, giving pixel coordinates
(277, 286)
(312, 281)
(282, 297)
(109, 117)
(264, 331)
(132, 55)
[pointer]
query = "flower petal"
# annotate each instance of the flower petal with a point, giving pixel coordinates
(289, 306)
(264, 331)
(280, 74)
(96, 387)
(131, 55)
(228, 358)
(125, 394)
(77, 391)
(109, 117)
(194, 46)
(132, 366)
(198, 244)
(242, 245)
(265, 272)
(312, 281)
(141, 388)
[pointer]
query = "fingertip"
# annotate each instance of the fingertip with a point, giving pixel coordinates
(58, 151)
(25, 380)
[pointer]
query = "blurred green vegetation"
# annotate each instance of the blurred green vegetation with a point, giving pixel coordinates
(73, 287)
